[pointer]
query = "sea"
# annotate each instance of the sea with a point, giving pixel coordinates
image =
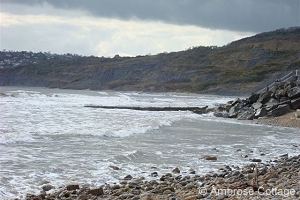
(48, 136)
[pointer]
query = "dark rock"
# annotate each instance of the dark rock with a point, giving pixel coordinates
(128, 177)
(261, 112)
(72, 187)
(294, 93)
(211, 158)
(284, 99)
(246, 115)
(237, 101)
(218, 114)
(115, 167)
(192, 171)
(295, 104)
(154, 174)
(265, 97)
(253, 98)
(256, 160)
(183, 183)
(284, 155)
(47, 187)
(280, 110)
(96, 192)
(176, 170)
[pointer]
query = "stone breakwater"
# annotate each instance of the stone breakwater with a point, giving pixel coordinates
(283, 98)
(277, 179)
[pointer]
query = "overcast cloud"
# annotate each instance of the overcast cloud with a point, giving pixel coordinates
(133, 27)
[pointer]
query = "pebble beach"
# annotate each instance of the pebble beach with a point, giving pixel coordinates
(275, 179)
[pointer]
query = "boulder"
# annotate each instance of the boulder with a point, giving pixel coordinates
(270, 106)
(256, 105)
(246, 115)
(280, 110)
(253, 98)
(278, 94)
(218, 114)
(295, 104)
(293, 93)
(234, 110)
(265, 97)
(176, 170)
(261, 112)
(290, 84)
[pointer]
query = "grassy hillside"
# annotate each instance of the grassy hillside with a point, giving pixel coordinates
(240, 67)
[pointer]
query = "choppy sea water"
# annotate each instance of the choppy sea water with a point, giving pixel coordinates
(48, 136)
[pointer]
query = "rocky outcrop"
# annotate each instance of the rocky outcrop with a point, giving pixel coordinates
(275, 102)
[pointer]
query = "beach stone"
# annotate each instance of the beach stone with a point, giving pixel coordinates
(167, 192)
(190, 186)
(115, 187)
(47, 187)
(256, 160)
(153, 182)
(115, 167)
(96, 192)
(211, 158)
(126, 196)
(168, 188)
(154, 174)
(191, 197)
(128, 177)
(272, 180)
(72, 187)
(192, 171)
(295, 104)
(146, 196)
(83, 197)
(176, 170)
(183, 183)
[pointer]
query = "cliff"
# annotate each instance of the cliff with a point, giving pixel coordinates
(241, 67)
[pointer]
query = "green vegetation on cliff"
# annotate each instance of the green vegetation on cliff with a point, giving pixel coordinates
(241, 67)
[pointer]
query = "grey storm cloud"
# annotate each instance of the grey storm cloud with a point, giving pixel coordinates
(236, 15)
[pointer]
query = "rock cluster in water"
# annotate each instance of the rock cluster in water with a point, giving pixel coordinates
(277, 179)
(281, 99)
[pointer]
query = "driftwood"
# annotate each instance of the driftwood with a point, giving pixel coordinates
(198, 110)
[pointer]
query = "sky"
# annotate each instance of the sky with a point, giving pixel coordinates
(137, 27)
